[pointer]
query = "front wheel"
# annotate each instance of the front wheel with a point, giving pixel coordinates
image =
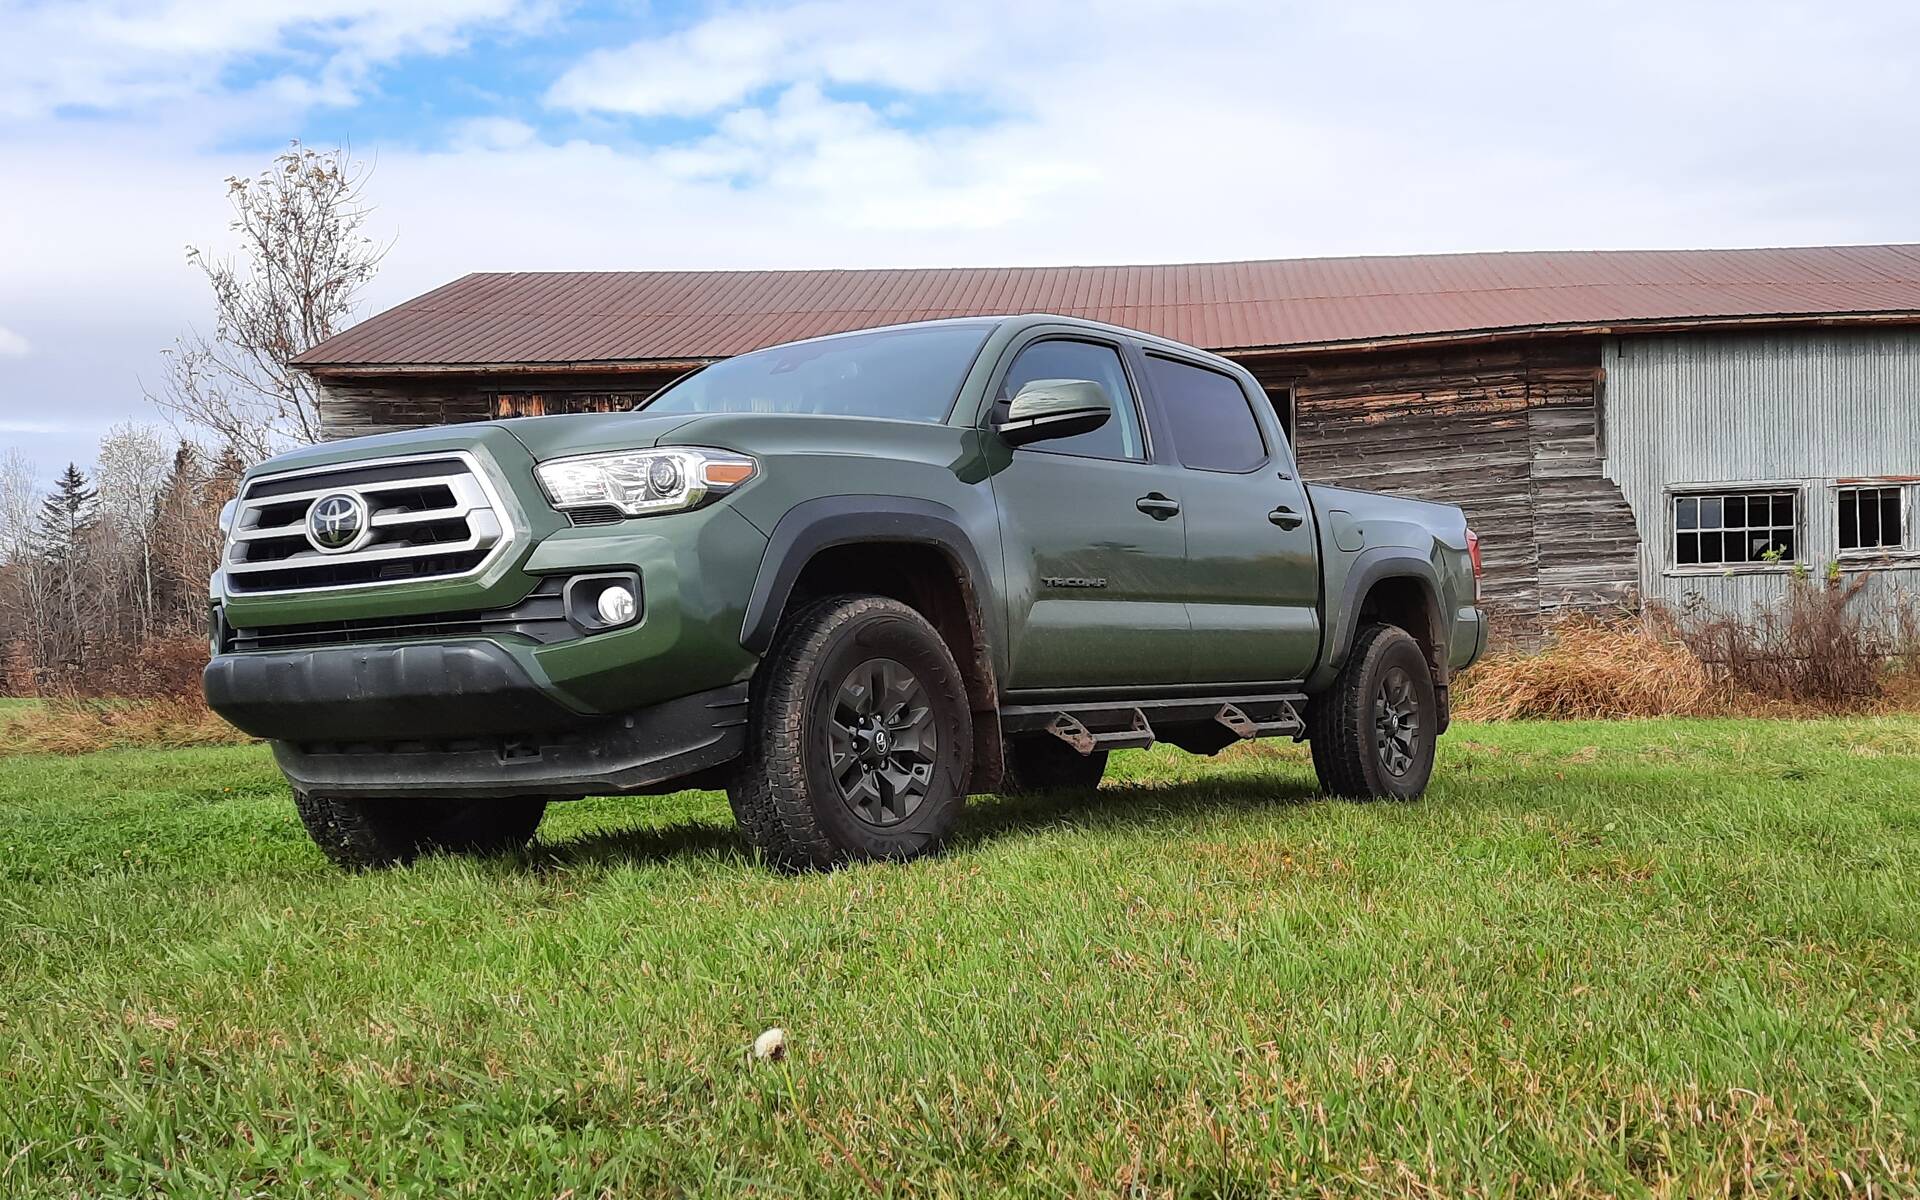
(859, 737)
(1373, 731)
(366, 834)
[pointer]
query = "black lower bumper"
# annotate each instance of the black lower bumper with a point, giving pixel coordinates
(628, 755)
(423, 690)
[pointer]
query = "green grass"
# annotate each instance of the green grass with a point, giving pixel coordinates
(1676, 956)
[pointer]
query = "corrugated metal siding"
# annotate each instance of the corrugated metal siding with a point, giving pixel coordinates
(630, 316)
(1809, 408)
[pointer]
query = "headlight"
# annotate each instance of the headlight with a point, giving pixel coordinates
(639, 482)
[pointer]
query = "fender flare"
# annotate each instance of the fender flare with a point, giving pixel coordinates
(1371, 566)
(816, 525)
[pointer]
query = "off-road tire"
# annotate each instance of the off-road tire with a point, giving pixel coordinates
(367, 834)
(1342, 723)
(784, 794)
(1044, 763)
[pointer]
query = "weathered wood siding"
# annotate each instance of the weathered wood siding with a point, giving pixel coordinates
(1508, 432)
(358, 409)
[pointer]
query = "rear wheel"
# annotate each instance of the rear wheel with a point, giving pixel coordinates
(859, 737)
(365, 834)
(1373, 731)
(1044, 763)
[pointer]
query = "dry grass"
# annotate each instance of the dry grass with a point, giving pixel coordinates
(1812, 657)
(1592, 669)
(85, 726)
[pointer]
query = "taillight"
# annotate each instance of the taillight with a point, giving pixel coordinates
(1473, 555)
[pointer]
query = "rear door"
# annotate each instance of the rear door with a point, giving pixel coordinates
(1253, 585)
(1093, 534)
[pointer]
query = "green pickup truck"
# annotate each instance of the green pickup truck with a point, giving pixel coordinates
(849, 580)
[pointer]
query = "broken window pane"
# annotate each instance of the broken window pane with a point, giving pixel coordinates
(1871, 518)
(1733, 528)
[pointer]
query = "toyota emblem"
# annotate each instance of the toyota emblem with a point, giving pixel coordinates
(337, 522)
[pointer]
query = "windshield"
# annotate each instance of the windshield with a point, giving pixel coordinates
(910, 374)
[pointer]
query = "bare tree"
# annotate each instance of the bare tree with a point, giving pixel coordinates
(24, 594)
(303, 260)
(132, 471)
(19, 503)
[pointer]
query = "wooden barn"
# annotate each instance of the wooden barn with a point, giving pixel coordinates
(1618, 425)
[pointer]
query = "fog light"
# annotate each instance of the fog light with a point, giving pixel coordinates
(615, 605)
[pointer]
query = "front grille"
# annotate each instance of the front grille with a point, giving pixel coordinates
(430, 517)
(541, 617)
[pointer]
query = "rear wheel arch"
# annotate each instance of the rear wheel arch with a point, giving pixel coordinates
(1392, 586)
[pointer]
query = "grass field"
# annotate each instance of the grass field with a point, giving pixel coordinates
(1679, 957)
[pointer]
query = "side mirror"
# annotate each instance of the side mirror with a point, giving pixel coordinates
(1055, 408)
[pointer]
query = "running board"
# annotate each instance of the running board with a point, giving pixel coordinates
(1138, 736)
(1286, 721)
(1118, 725)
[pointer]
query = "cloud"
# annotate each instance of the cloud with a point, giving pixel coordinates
(12, 345)
(9, 425)
(114, 55)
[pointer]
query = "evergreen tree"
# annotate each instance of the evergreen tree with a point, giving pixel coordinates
(66, 514)
(60, 541)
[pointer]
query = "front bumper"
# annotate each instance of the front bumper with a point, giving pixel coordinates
(376, 694)
(648, 751)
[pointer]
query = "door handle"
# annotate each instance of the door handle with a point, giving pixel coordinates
(1157, 506)
(1285, 517)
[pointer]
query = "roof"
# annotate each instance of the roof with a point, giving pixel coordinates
(579, 317)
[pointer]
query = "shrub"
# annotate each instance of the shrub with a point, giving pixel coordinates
(1817, 648)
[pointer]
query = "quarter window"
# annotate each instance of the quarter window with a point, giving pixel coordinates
(1871, 519)
(1214, 428)
(1731, 528)
(1061, 359)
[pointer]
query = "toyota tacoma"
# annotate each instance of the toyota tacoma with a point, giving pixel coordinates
(850, 580)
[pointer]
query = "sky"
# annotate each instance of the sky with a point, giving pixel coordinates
(543, 134)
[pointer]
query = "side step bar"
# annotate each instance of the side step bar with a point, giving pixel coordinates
(1069, 730)
(1115, 725)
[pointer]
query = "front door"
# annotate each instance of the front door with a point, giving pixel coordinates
(1095, 539)
(1253, 585)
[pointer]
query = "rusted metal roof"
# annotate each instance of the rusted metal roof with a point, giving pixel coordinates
(556, 317)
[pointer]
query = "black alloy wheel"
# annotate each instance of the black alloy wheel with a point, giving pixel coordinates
(883, 742)
(1396, 722)
(1374, 728)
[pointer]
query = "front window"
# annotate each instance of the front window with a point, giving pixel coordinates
(1716, 529)
(907, 374)
(1872, 520)
(1120, 437)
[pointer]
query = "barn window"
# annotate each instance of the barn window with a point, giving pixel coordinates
(1872, 519)
(1714, 529)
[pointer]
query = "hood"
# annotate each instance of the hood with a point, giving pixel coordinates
(585, 433)
(542, 437)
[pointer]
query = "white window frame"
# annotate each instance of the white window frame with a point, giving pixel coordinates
(1909, 546)
(1675, 492)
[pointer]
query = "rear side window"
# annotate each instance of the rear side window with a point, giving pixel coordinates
(1214, 428)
